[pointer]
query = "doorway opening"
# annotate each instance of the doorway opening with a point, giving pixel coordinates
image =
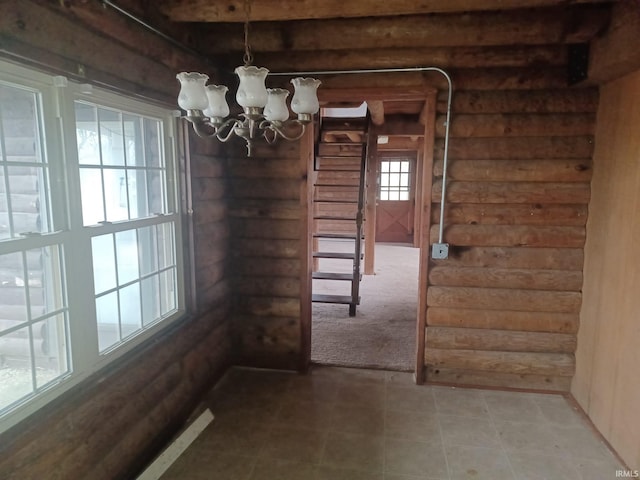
(382, 334)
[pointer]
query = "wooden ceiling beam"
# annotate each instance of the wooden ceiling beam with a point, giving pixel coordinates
(273, 10)
(376, 109)
(444, 57)
(400, 125)
(616, 53)
(521, 27)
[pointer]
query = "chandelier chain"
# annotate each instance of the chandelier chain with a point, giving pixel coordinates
(248, 57)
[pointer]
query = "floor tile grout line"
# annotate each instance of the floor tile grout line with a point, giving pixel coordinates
(500, 442)
(442, 441)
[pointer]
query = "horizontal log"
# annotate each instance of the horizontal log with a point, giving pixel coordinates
(208, 211)
(504, 78)
(506, 148)
(556, 364)
(499, 340)
(272, 209)
(516, 192)
(209, 275)
(27, 30)
(207, 166)
(257, 167)
(580, 100)
(511, 236)
(443, 57)
(268, 342)
(504, 299)
(534, 170)
(206, 188)
(568, 280)
(503, 320)
(265, 188)
(455, 376)
(535, 27)
(261, 248)
(266, 267)
(512, 214)
(265, 228)
(515, 257)
(282, 10)
(285, 287)
(269, 306)
(517, 125)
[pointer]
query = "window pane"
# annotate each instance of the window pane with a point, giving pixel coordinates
(165, 245)
(107, 320)
(46, 289)
(111, 137)
(27, 192)
(384, 180)
(92, 199)
(115, 194)
(50, 348)
(153, 145)
(13, 296)
(104, 263)
(150, 299)
(148, 248)
(384, 167)
(394, 166)
(130, 310)
(134, 154)
(167, 291)
(16, 379)
(404, 166)
(404, 195)
(127, 255)
(384, 195)
(5, 227)
(87, 137)
(394, 179)
(404, 180)
(394, 196)
(20, 125)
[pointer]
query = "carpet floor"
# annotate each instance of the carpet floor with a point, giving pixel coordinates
(382, 334)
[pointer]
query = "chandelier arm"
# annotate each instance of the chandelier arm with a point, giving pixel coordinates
(230, 124)
(281, 131)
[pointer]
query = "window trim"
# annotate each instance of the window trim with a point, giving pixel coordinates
(59, 147)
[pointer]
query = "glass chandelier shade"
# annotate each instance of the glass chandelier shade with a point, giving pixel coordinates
(252, 91)
(305, 98)
(276, 108)
(218, 107)
(192, 94)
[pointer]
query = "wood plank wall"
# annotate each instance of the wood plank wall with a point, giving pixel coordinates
(606, 381)
(503, 309)
(111, 424)
(265, 218)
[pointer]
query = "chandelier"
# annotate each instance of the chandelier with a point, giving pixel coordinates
(265, 114)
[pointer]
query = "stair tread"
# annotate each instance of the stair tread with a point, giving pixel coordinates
(345, 236)
(333, 276)
(336, 185)
(319, 298)
(336, 201)
(340, 255)
(334, 217)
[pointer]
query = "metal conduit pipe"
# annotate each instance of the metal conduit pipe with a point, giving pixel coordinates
(442, 253)
(173, 41)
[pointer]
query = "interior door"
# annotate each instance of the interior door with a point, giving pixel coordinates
(396, 200)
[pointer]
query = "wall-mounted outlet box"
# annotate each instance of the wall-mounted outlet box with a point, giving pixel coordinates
(440, 251)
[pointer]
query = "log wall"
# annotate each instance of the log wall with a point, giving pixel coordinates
(111, 424)
(503, 309)
(268, 201)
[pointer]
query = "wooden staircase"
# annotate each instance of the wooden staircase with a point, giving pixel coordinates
(338, 202)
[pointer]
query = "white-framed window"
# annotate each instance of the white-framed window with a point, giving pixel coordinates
(90, 233)
(395, 180)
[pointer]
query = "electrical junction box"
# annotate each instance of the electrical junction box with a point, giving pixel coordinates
(440, 251)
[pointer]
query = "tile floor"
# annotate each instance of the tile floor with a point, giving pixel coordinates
(350, 424)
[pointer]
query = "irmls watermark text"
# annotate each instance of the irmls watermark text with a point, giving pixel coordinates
(627, 474)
